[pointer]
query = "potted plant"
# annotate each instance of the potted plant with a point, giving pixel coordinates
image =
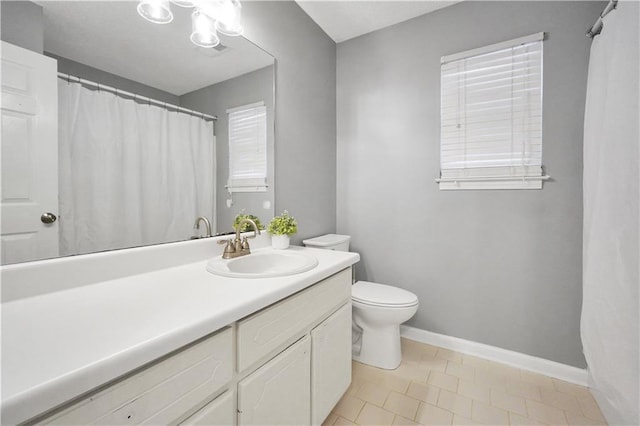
(246, 227)
(281, 228)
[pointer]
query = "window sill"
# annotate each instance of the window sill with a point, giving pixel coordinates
(492, 182)
(246, 189)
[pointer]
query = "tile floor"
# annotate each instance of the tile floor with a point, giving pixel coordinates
(436, 386)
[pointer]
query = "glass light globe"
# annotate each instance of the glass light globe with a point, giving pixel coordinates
(229, 20)
(156, 11)
(203, 31)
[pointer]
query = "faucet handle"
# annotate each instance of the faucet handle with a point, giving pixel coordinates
(229, 249)
(245, 244)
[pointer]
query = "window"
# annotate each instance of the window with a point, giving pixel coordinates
(248, 148)
(491, 117)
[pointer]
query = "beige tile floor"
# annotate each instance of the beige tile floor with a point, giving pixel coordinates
(436, 386)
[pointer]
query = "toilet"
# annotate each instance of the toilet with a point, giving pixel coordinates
(378, 311)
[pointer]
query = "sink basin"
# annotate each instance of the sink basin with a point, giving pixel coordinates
(263, 264)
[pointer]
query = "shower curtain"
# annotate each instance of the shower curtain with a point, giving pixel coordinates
(130, 174)
(609, 325)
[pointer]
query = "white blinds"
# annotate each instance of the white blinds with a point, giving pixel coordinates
(491, 116)
(248, 148)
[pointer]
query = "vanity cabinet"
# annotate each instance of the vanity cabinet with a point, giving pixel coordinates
(301, 384)
(288, 363)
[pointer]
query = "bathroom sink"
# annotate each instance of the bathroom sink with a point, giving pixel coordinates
(263, 264)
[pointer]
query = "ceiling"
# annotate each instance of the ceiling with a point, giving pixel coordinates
(346, 19)
(111, 36)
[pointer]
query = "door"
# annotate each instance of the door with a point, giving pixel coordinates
(29, 181)
(330, 362)
(278, 393)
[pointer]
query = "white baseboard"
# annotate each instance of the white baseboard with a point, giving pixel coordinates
(543, 366)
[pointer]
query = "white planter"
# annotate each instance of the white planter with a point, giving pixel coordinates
(280, 242)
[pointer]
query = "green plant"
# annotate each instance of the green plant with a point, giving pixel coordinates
(246, 226)
(283, 225)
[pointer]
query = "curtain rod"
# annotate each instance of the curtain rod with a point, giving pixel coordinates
(118, 92)
(597, 27)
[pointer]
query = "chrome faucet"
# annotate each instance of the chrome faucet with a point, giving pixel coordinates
(239, 246)
(207, 225)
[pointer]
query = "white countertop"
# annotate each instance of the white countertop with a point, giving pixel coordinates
(59, 345)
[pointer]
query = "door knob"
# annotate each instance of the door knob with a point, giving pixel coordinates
(48, 218)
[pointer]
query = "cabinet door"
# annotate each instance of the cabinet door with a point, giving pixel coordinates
(330, 362)
(220, 411)
(278, 393)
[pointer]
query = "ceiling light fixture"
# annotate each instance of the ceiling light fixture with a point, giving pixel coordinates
(230, 15)
(156, 11)
(209, 18)
(203, 30)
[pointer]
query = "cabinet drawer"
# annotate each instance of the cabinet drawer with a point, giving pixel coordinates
(220, 411)
(276, 325)
(162, 392)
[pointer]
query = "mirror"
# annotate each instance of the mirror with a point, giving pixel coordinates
(107, 42)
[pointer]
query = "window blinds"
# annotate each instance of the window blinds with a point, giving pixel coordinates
(248, 148)
(491, 116)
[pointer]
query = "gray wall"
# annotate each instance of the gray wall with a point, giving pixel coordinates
(21, 23)
(215, 100)
(497, 267)
(305, 147)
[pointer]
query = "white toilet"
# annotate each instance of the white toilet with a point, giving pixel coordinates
(378, 311)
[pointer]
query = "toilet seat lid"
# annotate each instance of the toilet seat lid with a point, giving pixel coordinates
(382, 295)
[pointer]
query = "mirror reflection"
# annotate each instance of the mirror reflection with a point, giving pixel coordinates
(143, 133)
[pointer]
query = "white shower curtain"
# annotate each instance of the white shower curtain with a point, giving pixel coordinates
(610, 319)
(130, 174)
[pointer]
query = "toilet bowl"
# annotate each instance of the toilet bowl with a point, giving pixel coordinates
(378, 311)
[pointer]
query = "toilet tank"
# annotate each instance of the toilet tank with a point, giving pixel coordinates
(329, 242)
